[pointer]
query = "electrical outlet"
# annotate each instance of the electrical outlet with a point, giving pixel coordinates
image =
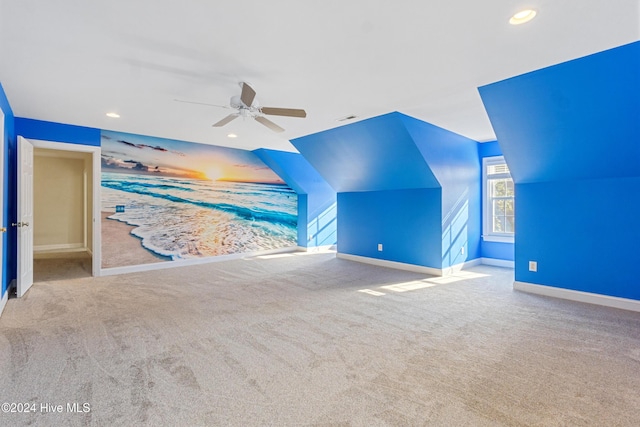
(462, 250)
(533, 266)
(379, 247)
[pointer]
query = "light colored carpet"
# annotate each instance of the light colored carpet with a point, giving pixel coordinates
(293, 341)
(54, 267)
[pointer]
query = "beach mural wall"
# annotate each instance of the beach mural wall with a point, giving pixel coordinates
(166, 200)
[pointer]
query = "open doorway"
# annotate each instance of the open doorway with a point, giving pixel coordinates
(58, 195)
(63, 214)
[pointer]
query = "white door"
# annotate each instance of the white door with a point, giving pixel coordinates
(25, 216)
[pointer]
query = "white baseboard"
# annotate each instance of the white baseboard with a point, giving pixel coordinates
(498, 262)
(391, 264)
(183, 263)
(68, 253)
(586, 297)
(324, 248)
(411, 267)
(66, 247)
(462, 266)
(3, 301)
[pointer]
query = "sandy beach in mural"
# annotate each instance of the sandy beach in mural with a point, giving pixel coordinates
(120, 248)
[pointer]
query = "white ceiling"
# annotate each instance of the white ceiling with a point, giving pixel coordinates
(71, 61)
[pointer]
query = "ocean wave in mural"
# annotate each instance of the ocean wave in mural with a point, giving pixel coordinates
(181, 200)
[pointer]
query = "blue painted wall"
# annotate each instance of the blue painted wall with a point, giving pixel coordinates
(57, 132)
(406, 222)
(317, 205)
(8, 145)
(571, 136)
(453, 159)
(583, 234)
(372, 155)
(489, 149)
(374, 163)
(575, 120)
(493, 250)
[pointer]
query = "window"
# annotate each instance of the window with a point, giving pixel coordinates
(498, 198)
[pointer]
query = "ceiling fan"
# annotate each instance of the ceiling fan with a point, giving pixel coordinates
(248, 106)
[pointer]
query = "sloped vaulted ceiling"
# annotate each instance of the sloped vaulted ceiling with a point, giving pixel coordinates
(576, 120)
(372, 155)
(295, 170)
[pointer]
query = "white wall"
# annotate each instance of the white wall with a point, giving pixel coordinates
(61, 202)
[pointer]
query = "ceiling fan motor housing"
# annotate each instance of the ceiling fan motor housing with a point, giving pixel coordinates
(236, 102)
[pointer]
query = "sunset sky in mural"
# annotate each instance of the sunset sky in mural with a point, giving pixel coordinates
(123, 152)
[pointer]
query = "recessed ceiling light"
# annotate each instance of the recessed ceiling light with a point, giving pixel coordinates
(113, 115)
(522, 17)
(232, 135)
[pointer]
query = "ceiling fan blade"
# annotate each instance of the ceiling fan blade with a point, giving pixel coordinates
(225, 120)
(268, 123)
(290, 112)
(248, 94)
(202, 103)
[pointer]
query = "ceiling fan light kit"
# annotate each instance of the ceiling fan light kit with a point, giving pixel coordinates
(247, 106)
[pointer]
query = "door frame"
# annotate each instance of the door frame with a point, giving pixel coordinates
(3, 235)
(96, 256)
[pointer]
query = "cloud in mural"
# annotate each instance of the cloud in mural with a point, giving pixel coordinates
(111, 162)
(138, 166)
(142, 146)
(157, 147)
(122, 141)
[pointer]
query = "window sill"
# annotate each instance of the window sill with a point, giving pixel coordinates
(498, 239)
